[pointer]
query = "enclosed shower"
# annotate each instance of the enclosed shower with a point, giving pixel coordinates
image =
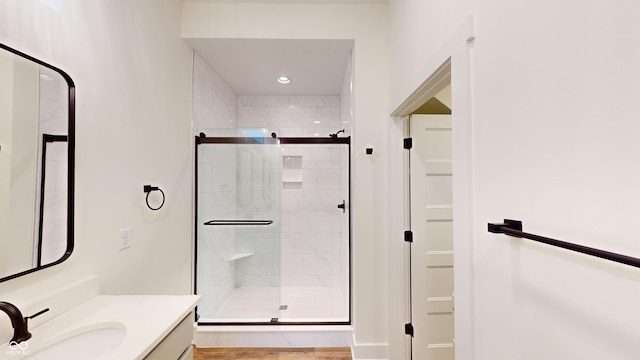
(272, 228)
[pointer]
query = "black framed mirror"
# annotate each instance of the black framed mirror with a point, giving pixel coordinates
(37, 143)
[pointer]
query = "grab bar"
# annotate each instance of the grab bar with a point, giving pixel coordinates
(514, 228)
(239, 222)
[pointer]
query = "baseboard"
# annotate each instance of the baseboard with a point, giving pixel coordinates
(379, 351)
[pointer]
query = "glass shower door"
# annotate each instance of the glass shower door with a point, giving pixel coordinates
(315, 232)
(273, 230)
(238, 231)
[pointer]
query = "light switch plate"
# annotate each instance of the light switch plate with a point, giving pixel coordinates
(125, 238)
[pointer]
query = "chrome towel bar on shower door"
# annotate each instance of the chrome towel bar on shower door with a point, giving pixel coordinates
(239, 222)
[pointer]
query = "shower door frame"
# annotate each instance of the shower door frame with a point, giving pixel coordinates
(203, 139)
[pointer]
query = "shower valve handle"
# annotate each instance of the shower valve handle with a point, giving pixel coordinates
(342, 206)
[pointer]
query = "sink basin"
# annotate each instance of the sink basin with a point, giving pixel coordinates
(88, 343)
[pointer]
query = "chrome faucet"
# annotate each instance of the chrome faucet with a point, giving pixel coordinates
(19, 323)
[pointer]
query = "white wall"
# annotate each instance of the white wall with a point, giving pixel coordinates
(554, 145)
(133, 77)
(367, 24)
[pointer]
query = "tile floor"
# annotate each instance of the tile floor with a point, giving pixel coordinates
(272, 353)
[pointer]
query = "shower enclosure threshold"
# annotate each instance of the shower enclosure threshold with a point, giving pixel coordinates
(274, 336)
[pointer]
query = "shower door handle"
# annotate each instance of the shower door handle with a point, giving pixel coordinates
(342, 206)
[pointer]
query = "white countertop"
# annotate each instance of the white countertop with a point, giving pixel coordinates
(147, 318)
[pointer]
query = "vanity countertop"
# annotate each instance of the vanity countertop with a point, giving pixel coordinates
(147, 319)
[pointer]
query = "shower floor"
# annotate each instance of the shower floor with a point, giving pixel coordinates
(287, 304)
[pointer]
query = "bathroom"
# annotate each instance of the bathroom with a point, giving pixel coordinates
(134, 108)
(134, 75)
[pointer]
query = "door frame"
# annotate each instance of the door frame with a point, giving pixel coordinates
(450, 63)
(202, 139)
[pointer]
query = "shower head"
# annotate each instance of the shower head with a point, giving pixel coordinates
(336, 134)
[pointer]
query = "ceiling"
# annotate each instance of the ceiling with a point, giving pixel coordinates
(251, 66)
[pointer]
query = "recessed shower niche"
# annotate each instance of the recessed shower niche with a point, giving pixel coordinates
(291, 172)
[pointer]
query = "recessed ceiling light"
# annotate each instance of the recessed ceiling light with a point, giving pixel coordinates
(316, 121)
(283, 79)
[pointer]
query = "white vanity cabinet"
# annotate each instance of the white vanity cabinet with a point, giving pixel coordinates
(176, 345)
(84, 325)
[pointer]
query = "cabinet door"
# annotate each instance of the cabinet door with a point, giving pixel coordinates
(176, 344)
(188, 354)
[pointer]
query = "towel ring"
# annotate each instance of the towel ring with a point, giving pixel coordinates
(148, 189)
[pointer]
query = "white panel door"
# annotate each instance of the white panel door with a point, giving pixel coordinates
(432, 247)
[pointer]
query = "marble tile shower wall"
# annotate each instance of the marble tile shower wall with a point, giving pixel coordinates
(311, 240)
(313, 236)
(215, 106)
(304, 247)
(291, 116)
(54, 221)
(53, 120)
(258, 198)
(216, 244)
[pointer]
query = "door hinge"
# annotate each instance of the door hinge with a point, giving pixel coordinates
(408, 329)
(408, 143)
(408, 236)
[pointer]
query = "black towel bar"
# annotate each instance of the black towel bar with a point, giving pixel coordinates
(514, 228)
(239, 222)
